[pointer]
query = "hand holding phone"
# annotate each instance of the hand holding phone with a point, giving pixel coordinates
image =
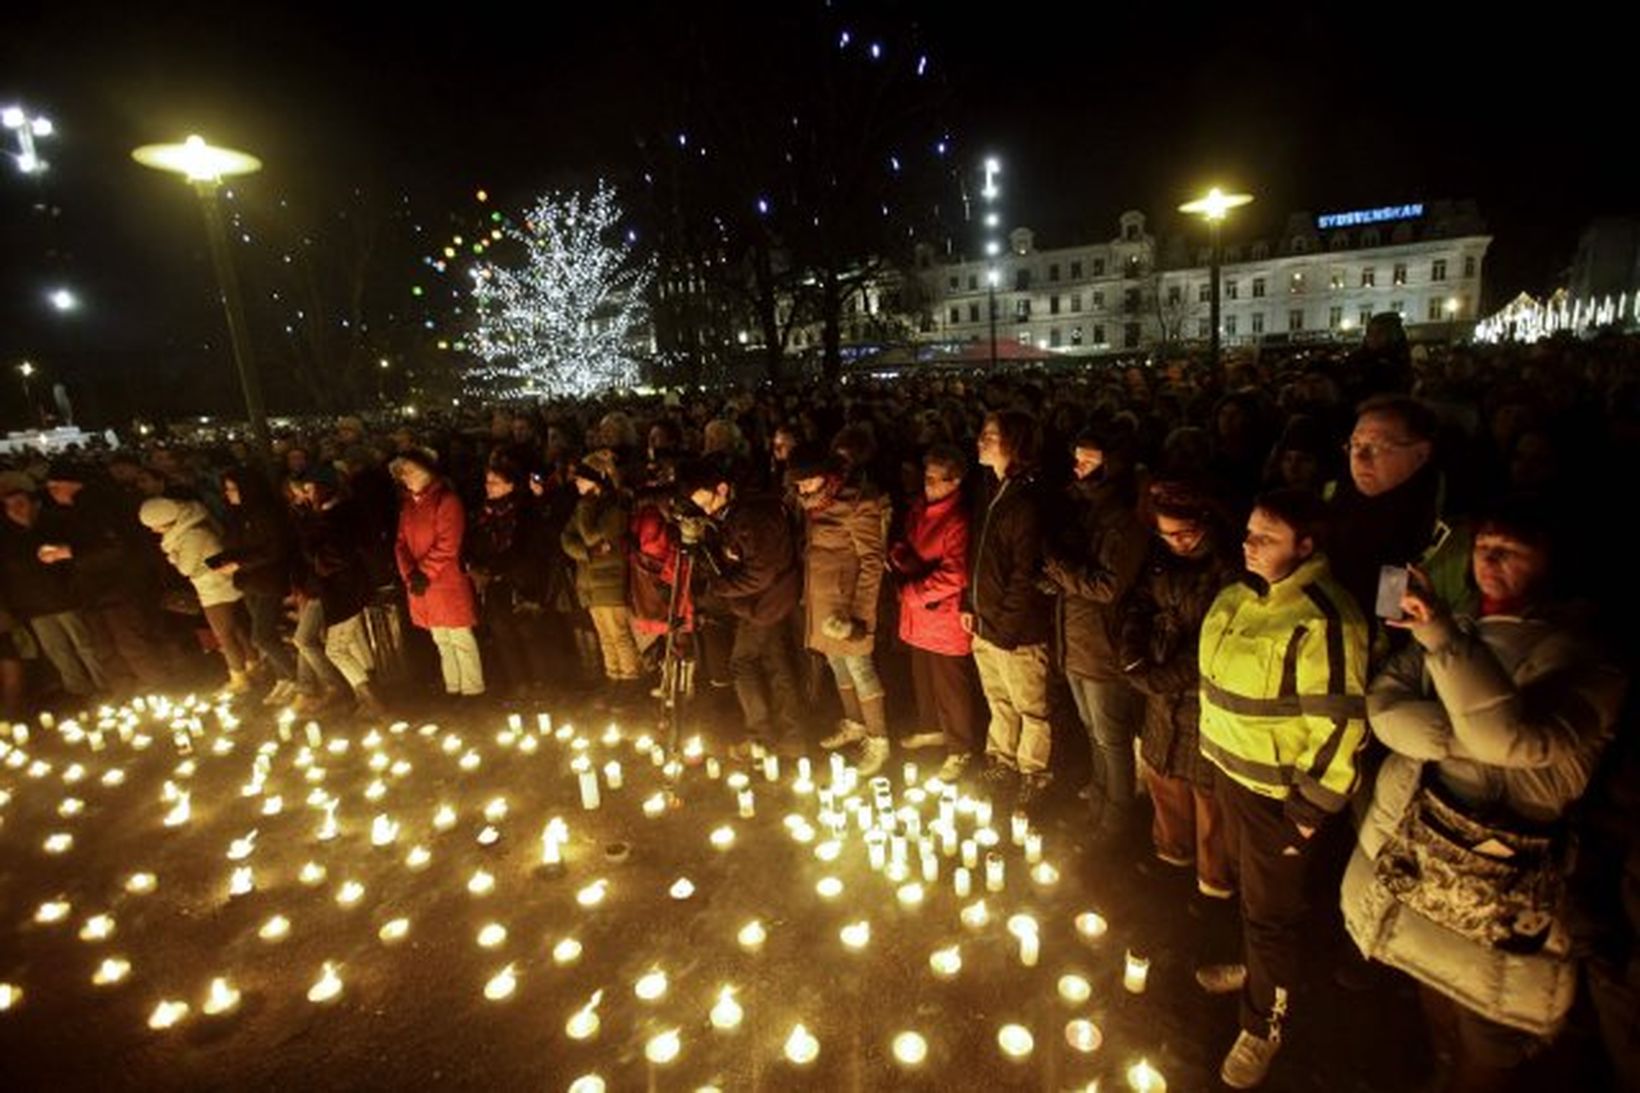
(1392, 589)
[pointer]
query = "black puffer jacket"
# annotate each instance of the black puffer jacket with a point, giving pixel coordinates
(333, 566)
(1093, 561)
(1160, 629)
(1006, 562)
(258, 535)
(759, 574)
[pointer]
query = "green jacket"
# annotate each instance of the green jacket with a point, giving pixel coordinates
(595, 537)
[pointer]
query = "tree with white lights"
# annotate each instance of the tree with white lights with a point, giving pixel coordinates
(560, 321)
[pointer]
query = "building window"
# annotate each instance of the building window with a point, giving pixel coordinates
(1076, 335)
(1173, 296)
(1130, 301)
(1130, 232)
(1053, 305)
(954, 282)
(1399, 307)
(1098, 333)
(1365, 317)
(1076, 271)
(1022, 309)
(1053, 271)
(1024, 337)
(973, 281)
(1132, 268)
(1336, 282)
(1053, 338)
(1130, 336)
(1098, 267)
(1369, 276)
(1076, 301)
(1258, 287)
(1204, 294)
(973, 313)
(1437, 270)
(1231, 290)
(1261, 251)
(1335, 317)
(1022, 280)
(1369, 238)
(1400, 277)
(1203, 328)
(1435, 311)
(956, 315)
(1230, 325)
(1298, 244)
(1258, 322)
(1295, 319)
(1297, 283)
(1469, 265)
(1098, 301)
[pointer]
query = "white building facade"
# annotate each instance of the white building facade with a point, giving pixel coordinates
(1322, 279)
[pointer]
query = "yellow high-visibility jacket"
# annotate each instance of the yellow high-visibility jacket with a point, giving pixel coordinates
(1283, 683)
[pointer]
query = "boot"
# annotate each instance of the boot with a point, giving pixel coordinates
(239, 681)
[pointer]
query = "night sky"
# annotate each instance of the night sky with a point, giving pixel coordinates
(1093, 112)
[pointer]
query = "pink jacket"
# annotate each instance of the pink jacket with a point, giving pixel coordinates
(931, 560)
(431, 524)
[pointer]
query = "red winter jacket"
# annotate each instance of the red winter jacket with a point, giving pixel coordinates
(652, 570)
(431, 524)
(931, 559)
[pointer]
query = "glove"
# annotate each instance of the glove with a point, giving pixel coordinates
(842, 628)
(417, 582)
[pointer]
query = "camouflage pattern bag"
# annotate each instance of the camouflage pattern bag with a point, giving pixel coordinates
(1496, 885)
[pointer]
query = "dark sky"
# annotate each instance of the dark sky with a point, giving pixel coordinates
(1094, 110)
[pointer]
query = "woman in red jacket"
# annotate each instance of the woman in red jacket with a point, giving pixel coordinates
(428, 549)
(931, 561)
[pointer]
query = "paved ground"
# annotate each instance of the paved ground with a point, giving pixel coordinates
(414, 1015)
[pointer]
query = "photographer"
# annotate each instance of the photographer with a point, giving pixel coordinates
(753, 568)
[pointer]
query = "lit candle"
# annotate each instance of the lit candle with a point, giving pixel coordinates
(976, 915)
(930, 868)
(222, 997)
(470, 761)
(394, 931)
(242, 883)
(982, 814)
(910, 1049)
(481, 883)
(583, 1023)
(654, 805)
(383, 830)
(856, 935)
(946, 962)
(444, 819)
(963, 882)
(682, 889)
(714, 769)
(328, 987)
(328, 829)
(1044, 874)
(179, 812)
(801, 1046)
(748, 806)
(1135, 972)
(908, 774)
(752, 935)
(491, 935)
(1083, 1035)
(1074, 989)
(112, 970)
(948, 838)
(1016, 1041)
(589, 790)
(829, 887)
(1144, 1078)
(167, 1014)
(664, 1048)
(771, 767)
(418, 858)
(567, 951)
(273, 806)
(993, 872)
(722, 837)
(877, 849)
(970, 854)
(1030, 948)
(910, 896)
(612, 774)
(502, 984)
(97, 928)
(593, 894)
(727, 1013)
(1019, 827)
(1033, 847)
(543, 723)
(1090, 926)
(276, 928)
(488, 836)
(349, 893)
(897, 849)
(314, 737)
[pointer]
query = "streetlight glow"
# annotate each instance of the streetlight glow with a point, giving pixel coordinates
(64, 300)
(27, 368)
(196, 160)
(13, 117)
(1215, 204)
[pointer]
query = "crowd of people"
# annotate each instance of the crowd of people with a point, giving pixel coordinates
(1346, 625)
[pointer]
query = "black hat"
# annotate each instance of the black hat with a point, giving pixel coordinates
(425, 458)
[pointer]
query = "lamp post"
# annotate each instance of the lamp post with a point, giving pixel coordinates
(992, 248)
(26, 369)
(1212, 207)
(206, 166)
(27, 127)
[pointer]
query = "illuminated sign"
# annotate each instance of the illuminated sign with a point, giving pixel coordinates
(1369, 216)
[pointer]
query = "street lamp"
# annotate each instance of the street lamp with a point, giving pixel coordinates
(26, 369)
(64, 300)
(993, 170)
(1212, 207)
(27, 128)
(206, 166)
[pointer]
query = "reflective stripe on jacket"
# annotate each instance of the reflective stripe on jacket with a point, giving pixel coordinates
(1282, 695)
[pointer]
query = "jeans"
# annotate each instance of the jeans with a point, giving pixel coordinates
(347, 649)
(1113, 714)
(762, 659)
(66, 642)
(856, 672)
(1015, 682)
(314, 671)
(264, 608)
(458, 659)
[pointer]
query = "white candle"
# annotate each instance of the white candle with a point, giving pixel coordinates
(567, 951)
(1030, 948)
(993, 872)
(612, 774)
(583, 1023)
(829, 887)
(314, 737)
(491, 935)
(801, 1046)
(589, 790)
(722, 837)
(167, 1014)
(963, 882)
(654, 805)
(727, 1013)
(651, 987)
(876, 850)
(394, 931)
(502, 984)
(752, 935)
(221, 998)
(805, 771)
(930, 868)
(897, 849)
(714, 769)
(970, 854)
(910, 895)
(1074, 989)
(664, 1048)
(1135, 972)
(748, 805)
(328, 986)
(1019, 826)
(908, 775)
(856, 935)
(946, 962)
(1033, 847)
(771, 767)
(1015, 1040)
(1144, 1078)
(976, 915)
(1090, 925)
(1083, 1035)
(910, 1049)
(982, 814)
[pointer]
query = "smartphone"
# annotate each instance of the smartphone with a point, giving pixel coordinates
(1392, 585)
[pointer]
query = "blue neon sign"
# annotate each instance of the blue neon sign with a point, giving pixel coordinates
(1370, 216)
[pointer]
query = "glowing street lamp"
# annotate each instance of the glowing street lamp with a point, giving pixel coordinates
(991, 191)
(26, 370)
(206, 166)
(27, 129)
(64, 299)
(1213, 207)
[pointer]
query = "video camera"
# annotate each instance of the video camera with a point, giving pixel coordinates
(689, 518)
